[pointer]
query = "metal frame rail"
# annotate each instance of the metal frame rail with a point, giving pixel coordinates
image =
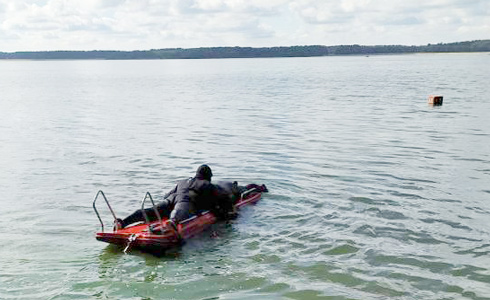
(100, 192)
(147, 220)
(247, 192)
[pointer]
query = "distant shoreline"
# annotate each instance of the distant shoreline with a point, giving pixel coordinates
(249, 52)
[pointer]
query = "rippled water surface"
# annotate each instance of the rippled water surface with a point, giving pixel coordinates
(374, 194)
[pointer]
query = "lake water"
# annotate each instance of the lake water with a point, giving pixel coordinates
(374, 194)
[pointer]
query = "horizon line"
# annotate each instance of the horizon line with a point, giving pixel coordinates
(264, 47)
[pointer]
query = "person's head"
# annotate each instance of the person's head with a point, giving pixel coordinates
(204, 172)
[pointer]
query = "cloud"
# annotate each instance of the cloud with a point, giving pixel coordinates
(394, 22)
(147, 24)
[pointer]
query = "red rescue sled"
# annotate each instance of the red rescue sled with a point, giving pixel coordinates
(159, 235)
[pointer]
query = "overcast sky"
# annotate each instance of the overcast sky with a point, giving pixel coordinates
(38, 25)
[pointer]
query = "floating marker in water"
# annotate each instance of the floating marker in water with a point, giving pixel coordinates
(435, 100)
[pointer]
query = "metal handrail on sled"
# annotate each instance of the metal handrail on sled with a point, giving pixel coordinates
(247, 192)
(151, 229)
(147, 220)
(100, 192)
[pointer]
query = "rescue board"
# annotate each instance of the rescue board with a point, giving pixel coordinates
(159, 235)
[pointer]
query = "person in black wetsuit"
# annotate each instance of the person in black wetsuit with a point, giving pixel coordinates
(188, 197)
(234, 191)
(227, 194)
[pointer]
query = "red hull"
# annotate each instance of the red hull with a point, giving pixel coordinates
(138, 236)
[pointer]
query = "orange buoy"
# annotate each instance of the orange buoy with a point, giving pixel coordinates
(435, 100)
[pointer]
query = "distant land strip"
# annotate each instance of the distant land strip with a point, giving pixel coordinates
(250, 52)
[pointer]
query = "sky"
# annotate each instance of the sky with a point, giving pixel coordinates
(43, 25)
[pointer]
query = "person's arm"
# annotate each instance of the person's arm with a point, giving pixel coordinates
(172, 191)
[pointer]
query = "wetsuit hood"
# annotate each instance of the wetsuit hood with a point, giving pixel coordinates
(204, 172)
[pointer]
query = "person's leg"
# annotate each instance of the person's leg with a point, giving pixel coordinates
(182, 210)
(163, 209)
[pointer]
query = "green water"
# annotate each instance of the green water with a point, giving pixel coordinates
(374, 194)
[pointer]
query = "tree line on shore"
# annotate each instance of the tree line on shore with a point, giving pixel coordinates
(250, 52)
